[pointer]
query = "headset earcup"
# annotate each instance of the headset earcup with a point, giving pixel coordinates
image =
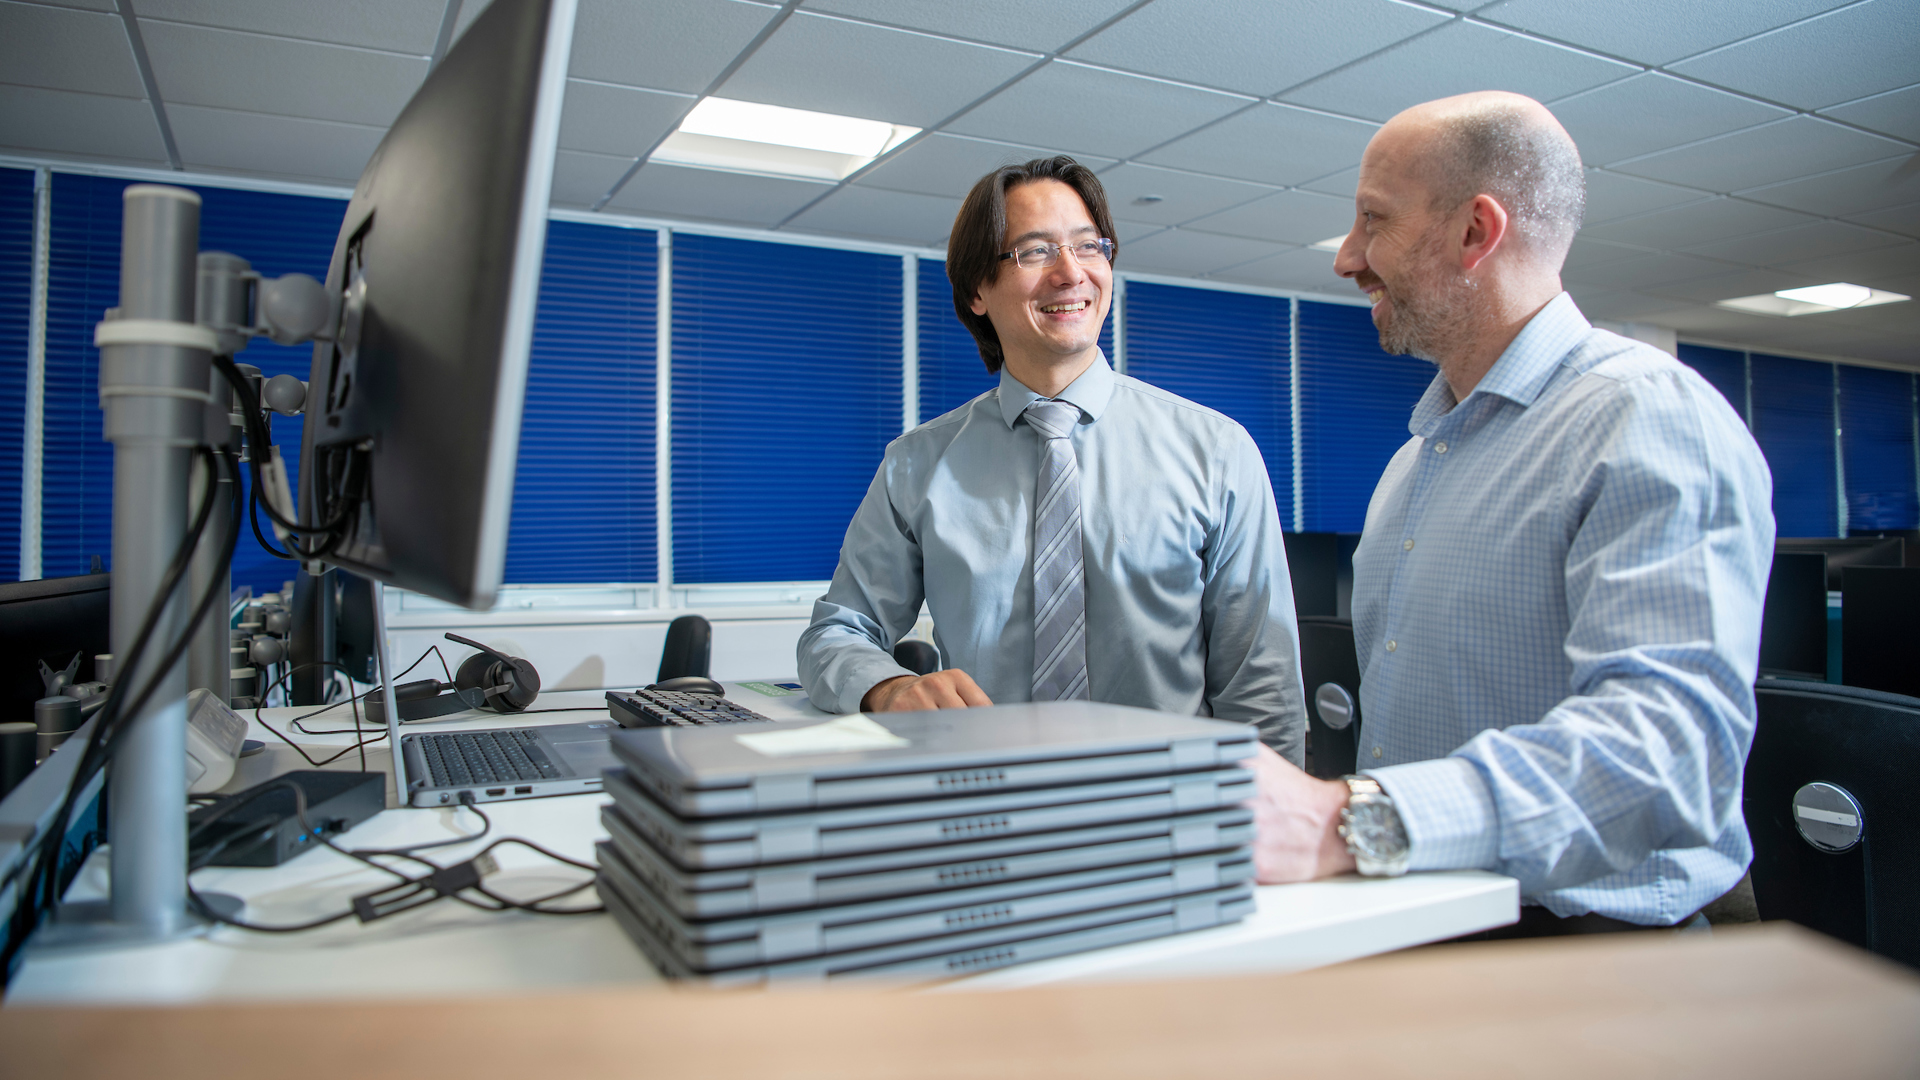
(472, 673)
(526, 685)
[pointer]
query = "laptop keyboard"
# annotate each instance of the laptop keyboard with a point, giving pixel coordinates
(486, 757)
(668, 708)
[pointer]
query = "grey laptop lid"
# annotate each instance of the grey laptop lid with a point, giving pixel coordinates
(862, 758)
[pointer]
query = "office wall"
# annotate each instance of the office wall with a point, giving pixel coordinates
(781, 369)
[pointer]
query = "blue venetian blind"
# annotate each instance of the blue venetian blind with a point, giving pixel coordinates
(1793, 423)
(1227, 351)
(786, 390)
(1876, 439)
(583, 494)
(278, 234)
(16, 295)
(1355, 401)
(951, 372)
(1724, 368)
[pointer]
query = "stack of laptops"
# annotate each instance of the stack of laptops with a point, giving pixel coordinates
(923, 845)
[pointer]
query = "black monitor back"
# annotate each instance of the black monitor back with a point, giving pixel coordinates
(1880, 629)
(50, 619)
(1793, 627)
(1868, 744)
(1842, 552)
(1313, 562)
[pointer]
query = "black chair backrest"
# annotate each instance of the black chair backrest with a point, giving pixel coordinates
(919, 657)
(1330, 671)
(1866, 744)
(689, 648)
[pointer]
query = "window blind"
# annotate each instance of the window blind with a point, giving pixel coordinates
(1724, 368)
(1228, 351)
(1793, 423)
(1355, 401)
(1877, 446)
(583, 495)
(786, 390)
(16, 296)
(951, 372)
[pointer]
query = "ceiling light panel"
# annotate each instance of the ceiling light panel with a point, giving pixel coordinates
(1813, 300)
(745, 136)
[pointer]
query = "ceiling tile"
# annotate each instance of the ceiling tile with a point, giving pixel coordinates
(408, 26)
(1430, 67)
(1088, 110)
(222, 69)
(1707, 290)
(950, 164)
(1611, 196)
(1269, 48)
(89, 5)
(1291, 217)
(1694, 223)
(1650, 31)
(1270, 144)
(1901, 219)
(708, 195)
(662, 44)
(1902, 318)
(1020, 24)
(1177, 251)
(1132, 232)
(1868, 268)
(1343, 183)
(895, 216)
(93, 125)
(1849, 191)
(1863, 49)
(1763, 155)
(854, 69)
(1302, 269)
(1652, 112)
(1896, 113)
(1587, 253)
(60, 49)
(1183, 196)
(618, 120)
(271, 145)
(580, 179)
(1623, 305)
(1801, 242)
(1643, 271)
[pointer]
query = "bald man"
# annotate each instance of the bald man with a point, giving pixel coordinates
(1557, 594)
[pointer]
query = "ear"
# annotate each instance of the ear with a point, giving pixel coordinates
(979, 306)
(1486, 230)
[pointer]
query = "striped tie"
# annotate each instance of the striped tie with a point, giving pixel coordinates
(1059, 588)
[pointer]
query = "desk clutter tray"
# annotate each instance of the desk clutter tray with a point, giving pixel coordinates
(1076, 840)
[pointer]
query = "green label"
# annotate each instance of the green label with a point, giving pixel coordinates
(769, 689)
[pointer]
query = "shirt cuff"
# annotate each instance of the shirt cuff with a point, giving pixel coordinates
(1448, 812)
(862, 674)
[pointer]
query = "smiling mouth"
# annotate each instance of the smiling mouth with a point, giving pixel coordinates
(1064, 309)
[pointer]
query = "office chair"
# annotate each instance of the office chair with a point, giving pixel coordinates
(917, 656)
(1828, 799)
(689, 649)
(1330, 671)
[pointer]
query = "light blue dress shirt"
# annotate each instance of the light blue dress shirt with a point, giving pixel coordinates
(1557, 606)
(1189, 606)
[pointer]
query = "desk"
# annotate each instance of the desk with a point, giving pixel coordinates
(449, 949)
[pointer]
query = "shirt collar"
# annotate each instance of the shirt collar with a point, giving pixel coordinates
(1522, 371)
(1089, 393)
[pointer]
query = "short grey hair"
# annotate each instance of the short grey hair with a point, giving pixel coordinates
(1531, 168)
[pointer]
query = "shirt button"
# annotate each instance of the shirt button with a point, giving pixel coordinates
(1392, 645)
(1376, 752)
(1406, 545)
(1440, 448)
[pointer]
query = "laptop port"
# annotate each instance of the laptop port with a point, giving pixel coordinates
(528, 790)
(496, 791)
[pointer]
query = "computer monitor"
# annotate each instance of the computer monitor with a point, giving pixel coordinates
(1842, 552)
(1880, 629)
(413, 410)
(49, 621)
(1313, 562)
(1793, 625)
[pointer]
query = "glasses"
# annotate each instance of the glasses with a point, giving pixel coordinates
(1040, 256)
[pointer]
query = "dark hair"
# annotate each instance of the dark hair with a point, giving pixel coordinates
(973, 249)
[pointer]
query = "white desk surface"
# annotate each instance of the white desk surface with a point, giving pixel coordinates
(450, 949)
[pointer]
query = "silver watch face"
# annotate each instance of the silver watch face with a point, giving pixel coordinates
(1374, 831)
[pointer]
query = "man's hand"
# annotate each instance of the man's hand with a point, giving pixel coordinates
(950, 689)
(1294, 817)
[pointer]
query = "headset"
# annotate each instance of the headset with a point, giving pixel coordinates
(489, 680)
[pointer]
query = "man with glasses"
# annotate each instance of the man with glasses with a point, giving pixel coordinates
(1076, 534)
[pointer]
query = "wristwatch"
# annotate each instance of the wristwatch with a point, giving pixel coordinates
(1373, 829)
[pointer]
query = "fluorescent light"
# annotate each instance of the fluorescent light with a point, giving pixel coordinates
(1331, 243)
(744, 136)
(1813, 300)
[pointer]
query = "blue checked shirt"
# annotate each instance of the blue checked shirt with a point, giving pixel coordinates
(1557, 607)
